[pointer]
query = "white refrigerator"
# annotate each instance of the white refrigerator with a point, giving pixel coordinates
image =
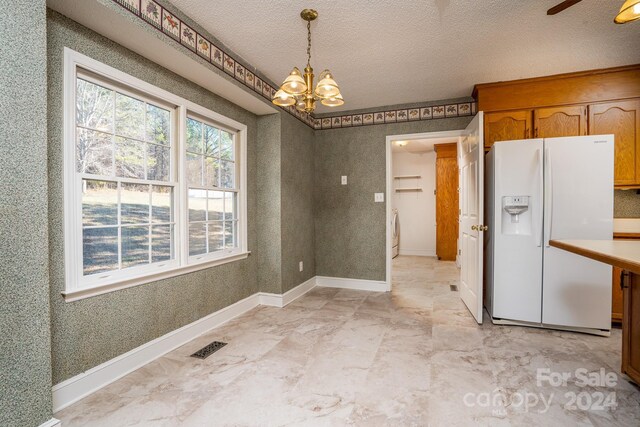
(539, 190)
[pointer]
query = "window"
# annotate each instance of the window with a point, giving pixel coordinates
(132, 213)
(123, 152)
(213, 196)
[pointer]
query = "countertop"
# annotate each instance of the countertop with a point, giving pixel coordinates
(619, 253)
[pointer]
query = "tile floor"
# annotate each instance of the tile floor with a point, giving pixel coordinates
(342, 357)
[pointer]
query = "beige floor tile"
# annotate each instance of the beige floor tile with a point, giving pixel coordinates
(336, 357)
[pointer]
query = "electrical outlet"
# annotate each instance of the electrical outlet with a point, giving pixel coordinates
(344, 180)
(378, 197)
(301, 266)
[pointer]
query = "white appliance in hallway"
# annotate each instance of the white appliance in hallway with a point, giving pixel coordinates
(395, 229)
(539, 190)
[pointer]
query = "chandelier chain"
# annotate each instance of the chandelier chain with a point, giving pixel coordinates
(309, 43)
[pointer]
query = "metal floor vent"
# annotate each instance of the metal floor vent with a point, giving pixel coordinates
(208, 349)
(454, 288)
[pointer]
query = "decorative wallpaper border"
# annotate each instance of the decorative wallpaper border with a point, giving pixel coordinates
(431, 112)
(168, 23)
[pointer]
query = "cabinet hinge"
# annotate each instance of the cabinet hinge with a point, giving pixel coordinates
(624, 277)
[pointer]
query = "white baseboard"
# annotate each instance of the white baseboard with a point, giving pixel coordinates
(356, 284)
(82, 385)
(51, 423)
(269, 299)
(70, 391)
(295, 293)
(281, 300)
(417, 252)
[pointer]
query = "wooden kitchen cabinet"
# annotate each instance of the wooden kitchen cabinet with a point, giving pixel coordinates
(446, 201)
(560, 121)
(617, 297)
(631, 327)
(622, 119)
(507, 126)
(593, 102)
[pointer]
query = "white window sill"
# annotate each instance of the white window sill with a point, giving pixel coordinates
(79, 294)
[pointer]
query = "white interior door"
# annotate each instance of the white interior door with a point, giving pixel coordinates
(471, 165)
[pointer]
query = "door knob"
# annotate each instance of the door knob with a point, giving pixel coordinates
(483, 227)
(474, 228)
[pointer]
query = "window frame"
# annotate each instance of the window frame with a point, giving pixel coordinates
(91, 281)
(236, 152)
(78, 286)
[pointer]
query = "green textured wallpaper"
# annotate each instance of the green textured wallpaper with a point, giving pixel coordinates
(269, 252)
(91, 331)
(297, 218)
(349, 226)
(285, 203)
(25, 346)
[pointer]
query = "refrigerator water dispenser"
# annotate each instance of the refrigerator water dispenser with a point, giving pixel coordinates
(516, 216)
(515, 205)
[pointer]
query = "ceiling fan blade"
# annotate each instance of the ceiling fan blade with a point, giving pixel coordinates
(562, 6)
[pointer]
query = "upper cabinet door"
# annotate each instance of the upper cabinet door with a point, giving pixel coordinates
(622, 119)
(508, 126)
(560, 121)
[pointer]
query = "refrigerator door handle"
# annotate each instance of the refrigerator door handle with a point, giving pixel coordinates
(548, 195)
(395, 226)
(539, 230)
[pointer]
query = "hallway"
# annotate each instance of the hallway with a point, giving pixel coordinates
(344, 357)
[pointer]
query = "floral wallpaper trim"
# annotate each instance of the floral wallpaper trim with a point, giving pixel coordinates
(168, 23)
(396, 116)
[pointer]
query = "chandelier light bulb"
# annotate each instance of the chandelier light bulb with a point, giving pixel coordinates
(300, 105)
(294, 83)
(334, 101)
(283, 99)
(327, 87)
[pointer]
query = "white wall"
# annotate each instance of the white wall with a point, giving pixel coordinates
(416, 210)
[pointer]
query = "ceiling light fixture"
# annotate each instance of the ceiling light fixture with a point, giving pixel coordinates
(297, 89)
(630, 11)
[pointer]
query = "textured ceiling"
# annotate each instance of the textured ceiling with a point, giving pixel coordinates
(393, 52)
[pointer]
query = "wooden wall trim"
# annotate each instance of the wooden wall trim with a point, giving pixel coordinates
(562, 89)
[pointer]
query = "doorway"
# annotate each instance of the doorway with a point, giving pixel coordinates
(411, 184)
